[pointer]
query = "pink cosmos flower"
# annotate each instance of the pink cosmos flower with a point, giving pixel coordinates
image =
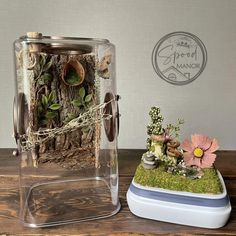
(199, 152)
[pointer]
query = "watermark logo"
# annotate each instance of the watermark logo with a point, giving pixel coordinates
(179, 58)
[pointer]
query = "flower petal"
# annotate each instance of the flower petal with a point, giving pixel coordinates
(214, 146)
(196, 162)
(190, 160)
(208, 160)
(195, 139)
(205, 143)
(188, 156)
(187, 145)
(201, 141)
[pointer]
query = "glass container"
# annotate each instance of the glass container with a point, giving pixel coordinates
(66, 122)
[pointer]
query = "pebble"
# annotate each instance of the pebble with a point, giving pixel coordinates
(149, 158)
(148, 167)
(148, 162)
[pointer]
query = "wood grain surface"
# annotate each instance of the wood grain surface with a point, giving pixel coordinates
(124, 223)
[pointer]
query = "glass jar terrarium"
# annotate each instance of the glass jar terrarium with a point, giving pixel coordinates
(66, 123)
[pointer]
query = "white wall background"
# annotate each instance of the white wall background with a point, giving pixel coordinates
(134, 26)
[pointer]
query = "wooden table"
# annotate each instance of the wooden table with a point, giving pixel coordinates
(124, 223)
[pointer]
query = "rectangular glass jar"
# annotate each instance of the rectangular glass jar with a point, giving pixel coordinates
(66, 123)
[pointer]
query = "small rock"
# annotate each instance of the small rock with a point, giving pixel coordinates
(148, 167)
(149, 158)
(148, 162)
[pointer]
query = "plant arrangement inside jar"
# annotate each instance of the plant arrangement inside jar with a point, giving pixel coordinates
(61, 104)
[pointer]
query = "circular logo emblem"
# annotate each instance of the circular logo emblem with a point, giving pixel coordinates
(179, 58)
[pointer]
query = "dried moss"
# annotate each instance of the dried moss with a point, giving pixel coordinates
(209, 183)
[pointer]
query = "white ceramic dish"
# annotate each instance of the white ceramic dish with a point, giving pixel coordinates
(201, 210)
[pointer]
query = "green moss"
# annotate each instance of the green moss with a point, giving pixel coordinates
(209, 183)
(72, 77)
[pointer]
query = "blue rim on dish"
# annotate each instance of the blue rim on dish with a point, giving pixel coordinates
(205, 200)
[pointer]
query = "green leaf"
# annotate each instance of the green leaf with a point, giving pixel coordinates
(82, 92)
(76, 102)
(44, 100)
(88, 98)
(50, 115)
(55, 106)
(52, 96)
(46, 77)
(48, 65)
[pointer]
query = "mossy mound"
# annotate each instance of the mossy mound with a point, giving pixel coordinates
(209, 183)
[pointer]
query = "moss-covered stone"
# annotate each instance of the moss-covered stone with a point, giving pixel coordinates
(209, 183)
